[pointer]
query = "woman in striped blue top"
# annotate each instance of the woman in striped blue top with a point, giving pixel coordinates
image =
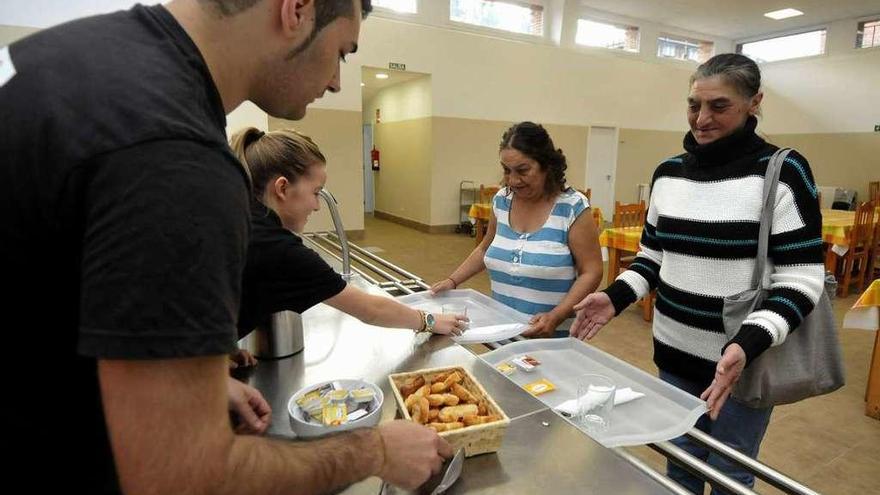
(541, 247)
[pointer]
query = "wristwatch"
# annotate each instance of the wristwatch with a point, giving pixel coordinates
(428, 322)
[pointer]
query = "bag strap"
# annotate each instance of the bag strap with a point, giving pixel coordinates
(771, 181)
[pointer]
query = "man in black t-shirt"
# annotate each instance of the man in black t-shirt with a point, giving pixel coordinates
(124, 226)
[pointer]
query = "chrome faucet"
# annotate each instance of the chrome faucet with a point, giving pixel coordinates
(332, 205)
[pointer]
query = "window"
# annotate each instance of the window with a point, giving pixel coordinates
(684, 48)
(785, 47)
(517, 17)
(613, 36)
(868, 34)
(405, 6)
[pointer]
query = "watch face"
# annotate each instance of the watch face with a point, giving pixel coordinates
(429, 319)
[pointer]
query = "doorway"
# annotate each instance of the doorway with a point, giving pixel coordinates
(602, 166)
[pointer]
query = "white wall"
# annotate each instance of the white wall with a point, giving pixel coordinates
(483, 77)
(405, 101)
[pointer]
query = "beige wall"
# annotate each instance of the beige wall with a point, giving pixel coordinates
(403, 184)
(639, 152)
(840, 160)
(246, 115)
(338, 134)
(467, 149)
(823, 94)
(9, 34)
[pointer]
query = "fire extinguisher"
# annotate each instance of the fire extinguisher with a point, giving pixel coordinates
(374, 157)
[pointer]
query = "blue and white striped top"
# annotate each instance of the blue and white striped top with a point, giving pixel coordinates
(532, 272)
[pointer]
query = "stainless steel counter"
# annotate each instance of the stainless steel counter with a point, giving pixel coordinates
(541, 452)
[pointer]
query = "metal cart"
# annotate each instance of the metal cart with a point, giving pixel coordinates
(467, 195)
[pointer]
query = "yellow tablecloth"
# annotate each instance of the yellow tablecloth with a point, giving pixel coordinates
(623, 238)
(480, 211)
(836, 225)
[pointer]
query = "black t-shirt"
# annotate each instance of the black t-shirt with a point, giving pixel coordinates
(281, 272)
(124, 227)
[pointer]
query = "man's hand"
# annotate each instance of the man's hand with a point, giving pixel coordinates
(251, 412)
(412, 453)
(727, 373)
(241, 358)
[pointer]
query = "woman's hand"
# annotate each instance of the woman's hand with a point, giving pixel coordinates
(250, 412)
(593, 312)
(542, 325)
(447, 324)
(443, 285)
(727, 373)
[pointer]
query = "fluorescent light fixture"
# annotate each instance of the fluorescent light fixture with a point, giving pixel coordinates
(783, 14)
(381, 75)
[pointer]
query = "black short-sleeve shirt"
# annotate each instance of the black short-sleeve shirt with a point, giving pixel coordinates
(124, 226)
(281, 272)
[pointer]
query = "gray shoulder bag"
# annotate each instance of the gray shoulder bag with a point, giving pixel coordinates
(809, 361)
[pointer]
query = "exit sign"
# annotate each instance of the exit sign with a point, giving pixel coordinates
(396, 66)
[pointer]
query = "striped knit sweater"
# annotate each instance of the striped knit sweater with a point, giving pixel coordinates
(699, 245)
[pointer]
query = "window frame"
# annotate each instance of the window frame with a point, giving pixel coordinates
(667, 34)
(609, 22)
(738, 44)
(480, 28)
(865, 20)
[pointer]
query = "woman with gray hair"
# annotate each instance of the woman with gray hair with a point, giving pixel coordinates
(700, 244)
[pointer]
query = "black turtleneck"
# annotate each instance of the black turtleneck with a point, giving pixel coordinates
(741, 143)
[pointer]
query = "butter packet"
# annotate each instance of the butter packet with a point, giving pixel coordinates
(335, 414)
(539, 387)
(506, 368)
(362, 395)
(526, 363)
(314, 394)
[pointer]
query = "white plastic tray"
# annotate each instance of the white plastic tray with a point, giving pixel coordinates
(664, 413)
(490, 320)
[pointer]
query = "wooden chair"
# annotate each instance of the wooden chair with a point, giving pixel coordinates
(860, 238)
(874, 255)
(632, 215)
(597, 219)
(629, 215)
(488, 192)
(874, 192)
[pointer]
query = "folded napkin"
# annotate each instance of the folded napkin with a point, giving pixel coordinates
(621, 396)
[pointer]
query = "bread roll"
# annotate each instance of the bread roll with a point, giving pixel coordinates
(450, 414)
(411, 386)
(463, 394)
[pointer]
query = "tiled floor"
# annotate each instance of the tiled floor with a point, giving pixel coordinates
(826, 443)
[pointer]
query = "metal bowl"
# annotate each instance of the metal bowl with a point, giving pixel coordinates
(304, 429)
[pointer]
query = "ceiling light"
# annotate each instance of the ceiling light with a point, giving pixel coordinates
(381, 75)
(783, 14)
(363, 84)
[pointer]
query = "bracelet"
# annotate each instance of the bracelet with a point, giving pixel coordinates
(424, 321)
(454, 283)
